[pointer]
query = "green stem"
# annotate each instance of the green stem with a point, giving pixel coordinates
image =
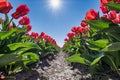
(113, 64)
(9, 23)
(108, 37)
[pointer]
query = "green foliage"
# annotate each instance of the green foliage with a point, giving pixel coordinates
(97, 59)
(98, 24)
(113, 6)
(101, 45)
(7, 59)
(16, 46)
(30, 57)
(18, 51)
(78, 58)
(6, 34)
(112, 47)
(47, 48)
(98, 44)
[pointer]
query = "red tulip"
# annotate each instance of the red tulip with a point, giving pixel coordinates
(104, 16)
(44, 36)
(47, 38)
(70, 35)
(83, 24)
(15, 15)
(5, 7)
(74, 29)
(78, 30)
(83, 29)
(34, 35)
(112, 15)
(20, 11)
(66, 39)
(118, 1)
(24, 21)
(27, 34)
(105, 1)
(91, 15)
(10, 27)
(29, 27)
(117, 20)
(41, 35)
(3, 0)
(104, 9)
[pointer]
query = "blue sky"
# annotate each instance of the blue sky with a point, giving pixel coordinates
(56, 23)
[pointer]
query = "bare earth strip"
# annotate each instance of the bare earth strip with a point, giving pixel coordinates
(59, 70)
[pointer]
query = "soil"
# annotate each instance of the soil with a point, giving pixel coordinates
(55, 68)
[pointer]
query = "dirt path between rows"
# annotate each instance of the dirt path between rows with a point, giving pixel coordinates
(58, 69)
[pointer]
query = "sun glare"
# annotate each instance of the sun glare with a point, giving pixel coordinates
(55, 4)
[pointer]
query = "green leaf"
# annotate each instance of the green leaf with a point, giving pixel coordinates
(6, 34)
(114, 32)
(97, 45)
(93, 69)
(14, 25)
(78, 58)
(29, 58)
(23, 50)
(96, 60)
(113, 6)
(94, 65)
(112, 47)
(117, 59)
(115, 35)
(110, 61)
(114, 29)
(6, 59)
(15, 46)
(98, 24)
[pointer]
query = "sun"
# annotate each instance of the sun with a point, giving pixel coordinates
(55, 4)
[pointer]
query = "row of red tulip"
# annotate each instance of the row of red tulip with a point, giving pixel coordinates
(21, 11)
(92, 14)
(42, 36)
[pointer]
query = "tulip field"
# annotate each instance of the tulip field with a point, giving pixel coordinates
(94, 43)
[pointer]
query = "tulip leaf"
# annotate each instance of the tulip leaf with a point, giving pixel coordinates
(112, 47)
(6, 59)
(96, 60)
(24, 50)
(97, 45)
(115, 35)
(110, 61)
(15, 46)
(6, 34)
(78, 58)
(113, 6)
(30, 57)
(98, 24)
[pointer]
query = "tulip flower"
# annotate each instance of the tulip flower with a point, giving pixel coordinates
(21, 10)
(91, 15)
(5, 6)
(24, 21)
